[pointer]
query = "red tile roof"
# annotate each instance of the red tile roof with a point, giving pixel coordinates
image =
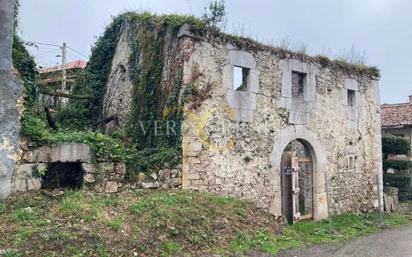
(397, 115)
(79, 64)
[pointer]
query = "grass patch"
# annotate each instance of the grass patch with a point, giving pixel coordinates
(11, 254)
(148, 223)
(2, 208)
(170, 249)
(22, 235)
(23, 215)
(306, 233)
(71, 203)
(161, 223)
(115, 224)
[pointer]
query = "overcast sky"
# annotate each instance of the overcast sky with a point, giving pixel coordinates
(381, 28)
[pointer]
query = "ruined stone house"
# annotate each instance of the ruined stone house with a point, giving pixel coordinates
(260, 123)
(266, 124)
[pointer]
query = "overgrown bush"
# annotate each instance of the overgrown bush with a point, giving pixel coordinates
(394, 145)
(102, 145)
(93, 80)
(397, 164)
(26, 66)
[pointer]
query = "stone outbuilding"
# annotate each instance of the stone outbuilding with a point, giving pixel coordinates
(268, 125)
(66, 165)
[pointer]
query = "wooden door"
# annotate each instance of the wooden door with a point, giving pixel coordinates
(286, 186)
(295, 187)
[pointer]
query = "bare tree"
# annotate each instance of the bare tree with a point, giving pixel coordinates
(239, 30)
(286, 43)
(353, 56)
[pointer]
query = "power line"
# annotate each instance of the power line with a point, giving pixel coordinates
(48, 44)
(39, 48)
(77, 52)
(42, 53)
(74, 56)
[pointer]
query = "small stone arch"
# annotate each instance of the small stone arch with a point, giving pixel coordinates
(320, 166)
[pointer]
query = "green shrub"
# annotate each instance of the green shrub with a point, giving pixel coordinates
(399, 165)
(397, 180)
(394, 145)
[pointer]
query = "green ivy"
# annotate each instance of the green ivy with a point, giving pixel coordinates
(146, 108)
(26, 66)
(102, 145)
(94, 78)
(161, 118)
(111, 148)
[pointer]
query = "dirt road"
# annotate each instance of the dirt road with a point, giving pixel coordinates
(389, 243)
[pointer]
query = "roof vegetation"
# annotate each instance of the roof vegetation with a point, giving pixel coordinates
(201, 29)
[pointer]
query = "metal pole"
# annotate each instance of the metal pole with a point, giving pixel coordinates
(379, 201)
(328, 204)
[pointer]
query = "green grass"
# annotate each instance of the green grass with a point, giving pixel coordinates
(11, 254)
(161, 223)
(23, 215)
(116, 223)
(2, 208)
(22, 235)
(71, 202)
(170, 249)
(306, 233)
(150, 223)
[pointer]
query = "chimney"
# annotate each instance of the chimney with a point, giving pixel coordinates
(410, 99)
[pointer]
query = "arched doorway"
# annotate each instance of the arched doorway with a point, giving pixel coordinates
(297, 181)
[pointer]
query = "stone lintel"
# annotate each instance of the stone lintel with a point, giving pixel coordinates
(66, 152)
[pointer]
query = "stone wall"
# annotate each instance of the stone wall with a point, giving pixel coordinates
(390, 198)
(10, 95)
(233, 141)
(101, 176)
(97, 175)
(119, 88)
(120, 85)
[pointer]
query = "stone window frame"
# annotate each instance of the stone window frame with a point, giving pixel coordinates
(243, 102)
(352, 160)
(298, 116)
(351, 85)
(245, 77)
(351, 97)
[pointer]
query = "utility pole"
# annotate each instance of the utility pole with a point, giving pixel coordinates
(64, 67)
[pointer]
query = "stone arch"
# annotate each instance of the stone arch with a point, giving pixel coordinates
(320, 166)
